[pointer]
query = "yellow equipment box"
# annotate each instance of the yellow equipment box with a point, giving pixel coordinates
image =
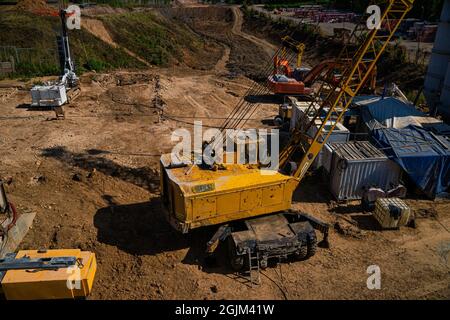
(51, 274)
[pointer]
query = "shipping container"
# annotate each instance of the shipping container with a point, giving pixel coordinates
(340, 134)
(357, 166)
(327, 156)
(298, 112)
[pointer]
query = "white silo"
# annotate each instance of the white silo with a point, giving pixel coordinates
(445, 95)
(437, 78)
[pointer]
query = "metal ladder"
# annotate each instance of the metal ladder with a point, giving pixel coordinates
(253, 270)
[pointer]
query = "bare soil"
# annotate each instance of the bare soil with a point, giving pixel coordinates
(248, 55)
(32, 5)
(93, 181)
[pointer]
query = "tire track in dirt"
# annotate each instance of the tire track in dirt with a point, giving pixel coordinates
(238, 21)
(221, 65)
(98, 29)
(237, 30)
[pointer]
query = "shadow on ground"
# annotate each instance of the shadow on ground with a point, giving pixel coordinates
(347, 209)
(142, 229)
(265, 98)
(366, 222)
(30, 108)
(312, 189)
(144, 177)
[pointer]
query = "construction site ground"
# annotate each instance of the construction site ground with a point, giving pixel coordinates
(92, 180)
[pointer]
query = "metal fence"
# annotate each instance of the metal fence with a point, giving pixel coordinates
(28, 60)
(31, 55)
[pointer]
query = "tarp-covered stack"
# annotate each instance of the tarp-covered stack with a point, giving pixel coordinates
(390, 112)
(417, 142)
(424, 156)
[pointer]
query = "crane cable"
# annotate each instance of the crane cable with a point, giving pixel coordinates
(244, 110)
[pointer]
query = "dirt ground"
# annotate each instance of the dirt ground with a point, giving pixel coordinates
(93, 181)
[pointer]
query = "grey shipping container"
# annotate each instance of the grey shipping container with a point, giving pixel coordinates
(357, 166)
(340, 134)
(328, 156)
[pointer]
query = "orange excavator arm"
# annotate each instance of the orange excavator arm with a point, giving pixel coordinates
(50, 12)
(328, 65)
(315, 72)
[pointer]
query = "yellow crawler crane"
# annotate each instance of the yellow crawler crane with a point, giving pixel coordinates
(258, 204)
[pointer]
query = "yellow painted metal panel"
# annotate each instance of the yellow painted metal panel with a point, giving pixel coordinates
(204, 208)
(51, 284)
(239, 192)
(179, 203)
(251, 199)
(272, 195)
(228, 203)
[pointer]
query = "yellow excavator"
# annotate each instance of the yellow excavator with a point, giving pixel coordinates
(253, 209)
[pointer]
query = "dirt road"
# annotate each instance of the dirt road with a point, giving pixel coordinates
(269, 48)
(236, 29)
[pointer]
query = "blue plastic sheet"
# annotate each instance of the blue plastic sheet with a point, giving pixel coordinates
(422, 155)
(378, 112)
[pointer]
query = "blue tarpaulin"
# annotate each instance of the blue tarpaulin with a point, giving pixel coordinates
(424, 157)
(390, 112)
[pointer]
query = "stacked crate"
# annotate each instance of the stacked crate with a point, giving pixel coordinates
(391, 213)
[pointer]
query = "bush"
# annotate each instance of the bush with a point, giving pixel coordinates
(96, 65)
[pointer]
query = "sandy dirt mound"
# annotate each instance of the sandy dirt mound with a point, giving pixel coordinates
(102, 10)
(32, 5)
(224, 25)
(97, 28)
(269, 48)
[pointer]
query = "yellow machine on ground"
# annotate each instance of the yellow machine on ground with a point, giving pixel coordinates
(52, 274)
(196, 197)
(39, 274)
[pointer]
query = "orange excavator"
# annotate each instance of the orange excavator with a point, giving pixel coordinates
(286, 80)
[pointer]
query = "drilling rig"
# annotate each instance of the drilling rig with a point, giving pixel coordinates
(56, 94)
